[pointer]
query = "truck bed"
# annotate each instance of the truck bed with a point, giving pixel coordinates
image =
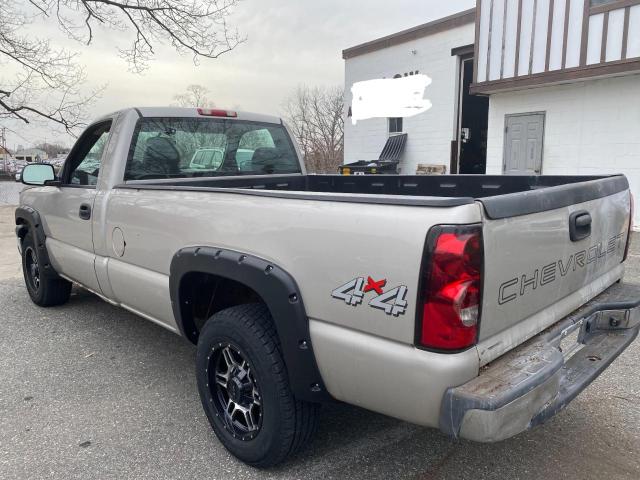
(501, 195)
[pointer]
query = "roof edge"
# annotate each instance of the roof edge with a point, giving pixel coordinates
(424, 30)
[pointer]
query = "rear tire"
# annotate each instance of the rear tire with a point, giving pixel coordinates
(239, 368)
(45, 288)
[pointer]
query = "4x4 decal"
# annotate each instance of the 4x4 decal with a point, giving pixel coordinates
(392, 302)
(351, 292)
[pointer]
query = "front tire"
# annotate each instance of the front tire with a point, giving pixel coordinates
(244, 388)
(45, 288)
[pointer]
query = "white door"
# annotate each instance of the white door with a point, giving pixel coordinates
(523, 144)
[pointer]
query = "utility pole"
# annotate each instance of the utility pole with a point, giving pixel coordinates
(3, 143)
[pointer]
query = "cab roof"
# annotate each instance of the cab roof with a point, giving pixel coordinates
(193, 112)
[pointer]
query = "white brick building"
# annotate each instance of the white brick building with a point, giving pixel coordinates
(591, 128)
(561, 79)
(427, 50)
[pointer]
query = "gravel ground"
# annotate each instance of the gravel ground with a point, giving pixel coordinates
(90, 391)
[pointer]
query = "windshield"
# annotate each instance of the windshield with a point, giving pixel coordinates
(207, 147)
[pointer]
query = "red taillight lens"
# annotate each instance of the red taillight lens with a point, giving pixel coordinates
(212, 112)
(452, 287)
(631, 213)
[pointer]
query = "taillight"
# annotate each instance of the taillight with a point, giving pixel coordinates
(451, 288)
(631, 208)
(213, 112)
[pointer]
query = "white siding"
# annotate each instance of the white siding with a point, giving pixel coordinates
(498, 37)
(633, 45)
(430, 133)
(483, 49)
(574, 35)
(594, 45)
(615, 29)
(614, 35)
(557, 35)
(526, 31)
(495, 59)
(590, 128)
(511, 32)
(540, 36)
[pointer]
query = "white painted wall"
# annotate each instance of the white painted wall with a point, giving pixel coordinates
(430, 133)
(591, 128)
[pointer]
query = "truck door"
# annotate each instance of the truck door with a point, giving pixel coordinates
(69, 213)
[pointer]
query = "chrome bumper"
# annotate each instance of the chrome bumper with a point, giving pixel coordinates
(535, 381)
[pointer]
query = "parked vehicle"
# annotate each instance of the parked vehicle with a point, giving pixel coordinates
(58, 162)
(207, 159)
(27, 158)
(480, 305)
(14, 168)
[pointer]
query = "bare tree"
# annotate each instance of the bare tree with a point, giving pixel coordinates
(194, 96)
(316, 117)
(48, 81)
(53, 149)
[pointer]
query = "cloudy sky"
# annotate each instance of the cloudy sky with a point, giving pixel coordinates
(289, 42)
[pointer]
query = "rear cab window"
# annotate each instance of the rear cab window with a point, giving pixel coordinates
(176, 147)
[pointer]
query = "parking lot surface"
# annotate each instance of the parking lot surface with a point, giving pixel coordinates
(90, 391)
(9, 191)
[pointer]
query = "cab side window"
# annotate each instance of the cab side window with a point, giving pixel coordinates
(83, 164)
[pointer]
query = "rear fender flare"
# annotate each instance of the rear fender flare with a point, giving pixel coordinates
(280, 293)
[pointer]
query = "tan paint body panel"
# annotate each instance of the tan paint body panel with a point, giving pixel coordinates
(388, 377)
(516, 248)
(321, 244)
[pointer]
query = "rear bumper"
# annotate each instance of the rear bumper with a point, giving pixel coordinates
(535, 381)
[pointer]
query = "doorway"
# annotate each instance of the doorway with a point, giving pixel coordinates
(473, 123)
(524, 134)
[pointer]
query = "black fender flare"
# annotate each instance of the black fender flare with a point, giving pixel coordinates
(28, 220)
(280, 293)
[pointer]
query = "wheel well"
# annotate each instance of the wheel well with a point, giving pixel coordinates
(205, 280)
(206, 294)
(22, 228)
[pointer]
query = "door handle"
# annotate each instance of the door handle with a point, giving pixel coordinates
(85, 211)
(579, 225)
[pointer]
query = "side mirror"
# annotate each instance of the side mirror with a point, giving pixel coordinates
(38, 173)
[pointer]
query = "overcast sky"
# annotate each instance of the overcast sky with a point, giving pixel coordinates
(289, 42)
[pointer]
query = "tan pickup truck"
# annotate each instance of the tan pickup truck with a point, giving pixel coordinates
(480, 305)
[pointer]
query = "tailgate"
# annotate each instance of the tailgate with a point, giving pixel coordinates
(540, 266)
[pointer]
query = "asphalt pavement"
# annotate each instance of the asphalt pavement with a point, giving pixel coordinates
(90, 391)
(9, 191)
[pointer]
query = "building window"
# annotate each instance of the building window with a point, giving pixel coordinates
(395, 125)
(603, 3)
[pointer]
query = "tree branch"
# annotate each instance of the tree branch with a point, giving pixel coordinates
(48, 82)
